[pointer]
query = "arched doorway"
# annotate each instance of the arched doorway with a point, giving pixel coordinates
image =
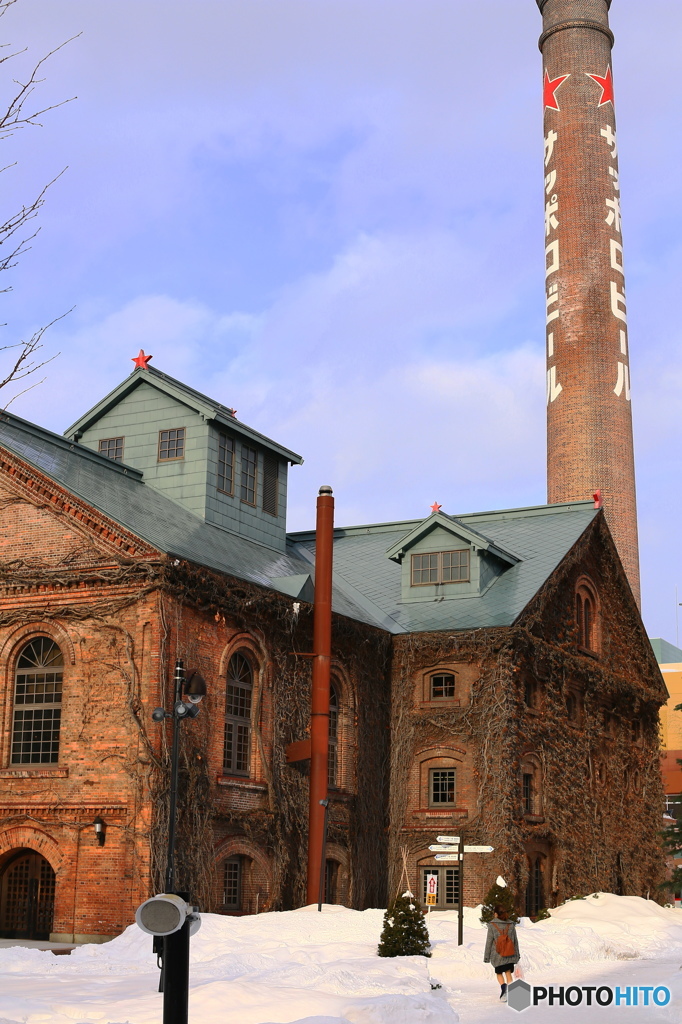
(535, 890)
(27, 886)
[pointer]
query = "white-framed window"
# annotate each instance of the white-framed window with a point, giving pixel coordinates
(440, 567)
(238, 702)
(37, 708)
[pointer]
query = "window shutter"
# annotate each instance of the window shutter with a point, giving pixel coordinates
(270, 482)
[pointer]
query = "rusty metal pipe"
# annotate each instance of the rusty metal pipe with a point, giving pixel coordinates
(319, 719)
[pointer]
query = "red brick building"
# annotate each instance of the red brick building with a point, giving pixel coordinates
(491, 676)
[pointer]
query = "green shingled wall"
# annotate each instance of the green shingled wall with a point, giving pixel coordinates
(230, 512)
(439, 540)
(191, 481)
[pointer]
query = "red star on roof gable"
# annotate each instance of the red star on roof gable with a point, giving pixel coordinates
(550, 87)
(436, 507)
(606, 84)
(141, 360)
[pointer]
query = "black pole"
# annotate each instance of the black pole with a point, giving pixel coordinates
(176, 971)
(172, 811)
(174, 980)
(460, 909)
(323, 858)
(157, 949)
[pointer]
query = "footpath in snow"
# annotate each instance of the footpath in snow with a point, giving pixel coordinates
(302, 967)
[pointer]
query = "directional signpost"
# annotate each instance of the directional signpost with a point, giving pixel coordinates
(449, 849)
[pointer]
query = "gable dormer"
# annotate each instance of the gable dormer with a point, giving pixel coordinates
(195, 451)
(443, 559)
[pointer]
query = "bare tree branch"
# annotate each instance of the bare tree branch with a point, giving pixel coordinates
(14, 117)
(18, 114)
(24, 363)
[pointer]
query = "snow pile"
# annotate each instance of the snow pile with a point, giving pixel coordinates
(302, 966)
(629, 926)
(601, 927)
(268, 969)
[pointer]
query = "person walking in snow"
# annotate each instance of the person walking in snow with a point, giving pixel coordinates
(502, 949)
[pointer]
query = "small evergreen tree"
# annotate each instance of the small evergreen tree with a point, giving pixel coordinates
(498, 896)
(404, 932)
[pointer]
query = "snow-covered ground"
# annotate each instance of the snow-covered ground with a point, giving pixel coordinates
(323, 969)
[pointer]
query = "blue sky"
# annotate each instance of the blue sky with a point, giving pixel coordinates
(328, 214)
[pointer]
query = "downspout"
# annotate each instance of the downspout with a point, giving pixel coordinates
(319, 720)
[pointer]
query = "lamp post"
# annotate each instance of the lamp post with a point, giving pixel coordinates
(174, 981)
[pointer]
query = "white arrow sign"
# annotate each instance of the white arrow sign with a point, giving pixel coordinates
(466, 849)
(443, 849)
(448, 839)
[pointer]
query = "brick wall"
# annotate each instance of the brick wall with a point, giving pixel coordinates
(594, 814)
(589, 420)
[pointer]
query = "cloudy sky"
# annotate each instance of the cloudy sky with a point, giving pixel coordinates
(328, 214)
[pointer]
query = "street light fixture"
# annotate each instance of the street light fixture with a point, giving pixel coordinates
(173, 945)
(100, 830)
(195, 687)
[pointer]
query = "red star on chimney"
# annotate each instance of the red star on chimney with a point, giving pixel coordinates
(436, 507)
(141, 360)
(606, 84)
(551, 86)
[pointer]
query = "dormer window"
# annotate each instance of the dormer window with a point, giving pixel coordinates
(444, 559)
(248, 481)
(225, 464)
(440, 567)
(171, 444)
(270, 484)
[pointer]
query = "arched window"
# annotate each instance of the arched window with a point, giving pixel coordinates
(531, 786)
(333, 758)
(586, 615)
(243, 884)
(331, 881)
(436, 775)
(535, 891)
(237, 742)
(233, 871)
(37, 703)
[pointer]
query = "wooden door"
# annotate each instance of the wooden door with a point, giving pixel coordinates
(27, 897)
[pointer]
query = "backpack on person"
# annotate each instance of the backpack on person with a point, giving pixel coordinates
(504, 944)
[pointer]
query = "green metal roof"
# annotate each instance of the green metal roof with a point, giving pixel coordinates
(121, 494)
(367, 583)
(539, 537)
(208, 408)
(666, 654)
(455, 526)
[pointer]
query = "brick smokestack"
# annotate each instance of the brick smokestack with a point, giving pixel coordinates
(589, 418)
